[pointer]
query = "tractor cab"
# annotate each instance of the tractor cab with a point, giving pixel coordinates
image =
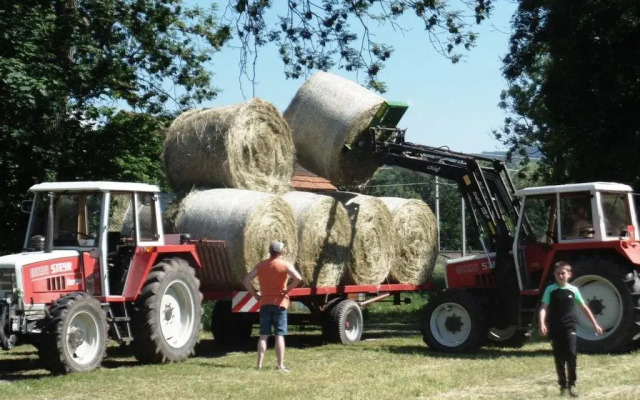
(569, 217)
(102, 222)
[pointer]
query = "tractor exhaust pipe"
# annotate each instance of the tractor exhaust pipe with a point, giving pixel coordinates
(48, 244)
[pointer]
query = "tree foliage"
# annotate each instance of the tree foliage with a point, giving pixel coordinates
(314, 35)
(64, 67)
(574, 89)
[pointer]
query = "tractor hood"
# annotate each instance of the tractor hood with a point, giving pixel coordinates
(11, 267)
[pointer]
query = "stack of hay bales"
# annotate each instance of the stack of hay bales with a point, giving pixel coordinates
(327, 113)
(372, 246)
(416, 240)
(242, 154)
(244, 146)
(248, 220)
(324, 237)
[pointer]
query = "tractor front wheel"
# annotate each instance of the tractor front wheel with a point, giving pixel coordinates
(167, 314)
(74, 338)
(454, 322)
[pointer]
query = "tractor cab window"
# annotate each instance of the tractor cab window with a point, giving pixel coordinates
(616, 214)
(147, 217)
(76, 218)
(541, 213)
(577, 222)
(124, 218)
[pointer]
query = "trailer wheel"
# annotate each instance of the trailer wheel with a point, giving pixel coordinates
(228, 327)
(454, 321)
(612, 292)
(74, 338)
(511, 336)
(167, 313)
(344, 322)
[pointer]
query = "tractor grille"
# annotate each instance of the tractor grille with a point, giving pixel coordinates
(7, 279)
(56, 283)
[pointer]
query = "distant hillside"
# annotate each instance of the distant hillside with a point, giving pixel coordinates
(534, 155)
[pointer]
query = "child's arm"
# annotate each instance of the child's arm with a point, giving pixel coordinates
(542, 317)
(589, 314)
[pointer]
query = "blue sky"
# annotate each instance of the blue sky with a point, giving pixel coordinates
(452, 105)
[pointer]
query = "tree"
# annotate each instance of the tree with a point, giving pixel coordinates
(312, 35)
(574, 89)
(62, 62)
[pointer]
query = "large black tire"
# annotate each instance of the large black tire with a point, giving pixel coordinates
(74, 338)
(166, 320)
(344, 323)
(512, 336)
(611, 289)
(228, 327)
(454, 321)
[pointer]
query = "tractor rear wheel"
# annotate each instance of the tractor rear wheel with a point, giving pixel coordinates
(167, 313)
(611, 289)
(454, 322)
(74, 338)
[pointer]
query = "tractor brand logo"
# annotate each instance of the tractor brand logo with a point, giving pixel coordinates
(433, 168)
(56, 268)
(467, 269)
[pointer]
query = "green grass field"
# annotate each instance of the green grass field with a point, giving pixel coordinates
(391, 362)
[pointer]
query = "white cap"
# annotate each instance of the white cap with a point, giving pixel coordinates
(276, 247)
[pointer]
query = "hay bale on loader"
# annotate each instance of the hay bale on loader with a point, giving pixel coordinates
(416, 240)
(372, 247)
(245, 146)
(249, 221)
(324, 236)
(327, 113)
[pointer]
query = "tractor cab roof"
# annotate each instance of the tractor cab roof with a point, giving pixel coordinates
(103, 186)
(574, 187)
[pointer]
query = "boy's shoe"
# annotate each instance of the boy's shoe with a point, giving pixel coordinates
(563, 391)
(283, 369)
(573, 392)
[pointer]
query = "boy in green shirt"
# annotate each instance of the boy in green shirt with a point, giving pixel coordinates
(558, 310)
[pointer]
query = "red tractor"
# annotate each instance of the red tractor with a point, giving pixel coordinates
(495, 296)
(97, 265)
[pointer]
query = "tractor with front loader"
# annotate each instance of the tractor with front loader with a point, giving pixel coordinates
(494, 297)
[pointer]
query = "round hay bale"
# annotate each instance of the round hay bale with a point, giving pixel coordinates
(324, 235)
(249, 221)
(416, 240)
(245, 146)
(327, 113)
(371, 239)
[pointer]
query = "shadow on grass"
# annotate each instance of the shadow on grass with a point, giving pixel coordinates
(483, 353)
(16, 369)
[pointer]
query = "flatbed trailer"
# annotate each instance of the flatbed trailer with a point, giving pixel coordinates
(336, 309)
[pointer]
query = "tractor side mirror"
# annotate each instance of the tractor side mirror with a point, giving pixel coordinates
(25, 206)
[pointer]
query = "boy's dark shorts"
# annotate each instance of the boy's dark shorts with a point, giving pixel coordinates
(273, 316)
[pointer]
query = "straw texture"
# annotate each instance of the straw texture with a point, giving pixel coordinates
(249, 221)
(324, 236)
(327, 113)
(416, 240)
(245, 146)
(371, 238)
